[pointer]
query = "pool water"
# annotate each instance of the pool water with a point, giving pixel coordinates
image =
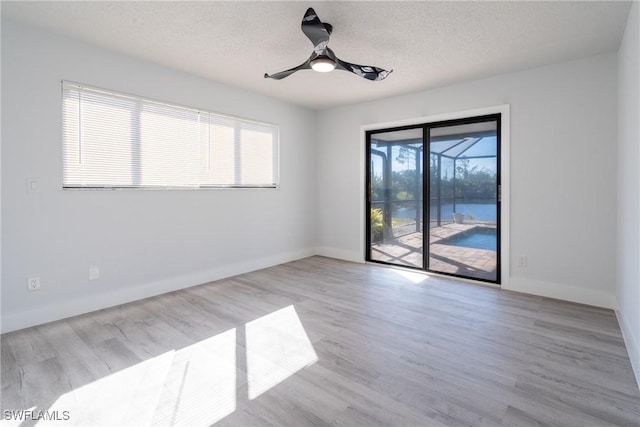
(478, 238)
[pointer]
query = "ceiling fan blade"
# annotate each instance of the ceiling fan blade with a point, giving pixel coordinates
(367, 71)
(317, 31)
(282, 74)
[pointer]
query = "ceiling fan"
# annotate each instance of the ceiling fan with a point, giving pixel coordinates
(322, 58)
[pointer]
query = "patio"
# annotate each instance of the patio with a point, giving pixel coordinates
(445, 258)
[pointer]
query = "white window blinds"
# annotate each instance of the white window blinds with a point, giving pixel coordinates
(114, 140)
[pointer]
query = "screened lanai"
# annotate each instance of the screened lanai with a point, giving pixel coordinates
(460, 184)
(464, 173)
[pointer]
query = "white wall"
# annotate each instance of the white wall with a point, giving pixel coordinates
(563, 172)
(145, 242)
(628, 253)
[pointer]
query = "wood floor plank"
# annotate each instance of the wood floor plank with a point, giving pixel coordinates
(7, 360)
(321, 342)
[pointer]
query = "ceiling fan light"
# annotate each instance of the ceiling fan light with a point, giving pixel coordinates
(323, 64)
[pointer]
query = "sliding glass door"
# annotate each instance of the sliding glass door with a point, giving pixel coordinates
(395, 214)
(448, 173)
(463, 199)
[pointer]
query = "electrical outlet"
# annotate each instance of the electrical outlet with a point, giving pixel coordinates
(522, 261)
(33, 284)
(33, 185)
(94, 272)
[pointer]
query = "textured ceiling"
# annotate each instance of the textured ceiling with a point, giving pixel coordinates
(427, 44)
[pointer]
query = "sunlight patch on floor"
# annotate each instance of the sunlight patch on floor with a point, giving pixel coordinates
(411, 276)
(277, 348)
(200, 387)
(195, 385)
(127, 397)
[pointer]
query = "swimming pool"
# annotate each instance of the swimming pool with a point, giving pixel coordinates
(477, 237)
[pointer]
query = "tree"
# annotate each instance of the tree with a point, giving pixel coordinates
(474, 182)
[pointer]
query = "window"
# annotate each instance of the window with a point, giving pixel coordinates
(115, 140)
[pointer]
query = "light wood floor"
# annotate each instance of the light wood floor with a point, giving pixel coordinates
(325, 342)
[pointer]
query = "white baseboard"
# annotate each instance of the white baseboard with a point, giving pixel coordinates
(340, 254)
(40, 315)
(630, 341)
(560, 291)
(517, 284)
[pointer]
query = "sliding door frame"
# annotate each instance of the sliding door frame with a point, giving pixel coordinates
(500, 113)
(426, 196)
